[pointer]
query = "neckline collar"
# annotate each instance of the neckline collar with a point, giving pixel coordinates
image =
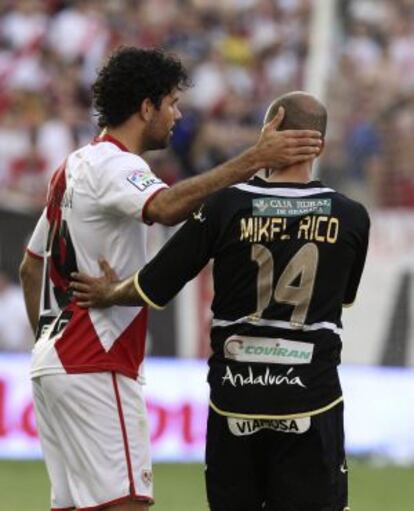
(112, 140)
(257, 181)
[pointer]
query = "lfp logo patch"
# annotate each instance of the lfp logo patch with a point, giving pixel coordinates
(142, 179)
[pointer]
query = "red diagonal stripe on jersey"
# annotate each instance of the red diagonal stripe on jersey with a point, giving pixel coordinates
(54, 215)
(80, 349)
(57, 189)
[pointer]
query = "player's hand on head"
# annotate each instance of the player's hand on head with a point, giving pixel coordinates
(278, 149)
(94, 291)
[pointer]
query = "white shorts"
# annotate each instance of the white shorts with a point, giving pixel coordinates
(94, 434)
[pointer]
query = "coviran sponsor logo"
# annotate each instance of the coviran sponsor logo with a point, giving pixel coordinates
(263, 379)
(276, 351)
(257, 229)
(242, 427)
(274, 206)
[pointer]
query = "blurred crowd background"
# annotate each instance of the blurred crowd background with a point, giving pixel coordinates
(241, 54)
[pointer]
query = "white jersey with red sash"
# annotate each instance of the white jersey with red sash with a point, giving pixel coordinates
(95, 210)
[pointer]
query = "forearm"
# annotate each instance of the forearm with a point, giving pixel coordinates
(174, 205)
(124, 293)
(32, 301)
(274, 149)
(31, 281)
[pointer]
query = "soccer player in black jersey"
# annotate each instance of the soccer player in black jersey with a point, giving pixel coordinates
(288, 255)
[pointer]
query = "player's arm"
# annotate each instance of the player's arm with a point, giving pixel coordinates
(359, 263)
(274, 149)
(178, 261)
(31, 271)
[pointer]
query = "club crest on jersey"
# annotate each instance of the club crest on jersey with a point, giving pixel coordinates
(243, 427)
(146, 476)
(143, 179)
(198, 215)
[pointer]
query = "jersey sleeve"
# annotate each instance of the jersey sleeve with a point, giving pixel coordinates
(37, 243)
(126, 184)
(359, 263)
(179, 260)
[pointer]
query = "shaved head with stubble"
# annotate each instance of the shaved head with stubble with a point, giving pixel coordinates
(302, 111)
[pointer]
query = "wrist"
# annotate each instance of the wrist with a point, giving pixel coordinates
(113, 294)
(250, 161)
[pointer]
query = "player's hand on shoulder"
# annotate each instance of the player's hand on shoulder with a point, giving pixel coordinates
(279, 149)
(94, 291)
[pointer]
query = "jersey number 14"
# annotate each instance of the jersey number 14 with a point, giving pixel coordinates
(301, 269)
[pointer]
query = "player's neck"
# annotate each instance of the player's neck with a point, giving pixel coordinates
(294, 174)
(128, 137)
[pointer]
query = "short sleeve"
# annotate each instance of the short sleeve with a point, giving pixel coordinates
(126, 184)
(37, 243)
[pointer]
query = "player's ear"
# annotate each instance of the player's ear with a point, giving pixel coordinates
(322, 147)
(146, 110)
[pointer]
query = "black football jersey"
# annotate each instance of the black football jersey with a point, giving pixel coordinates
(287, 257)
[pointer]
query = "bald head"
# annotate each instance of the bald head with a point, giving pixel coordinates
(302, 112)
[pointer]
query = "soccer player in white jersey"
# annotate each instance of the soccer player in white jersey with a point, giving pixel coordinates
(86, 364)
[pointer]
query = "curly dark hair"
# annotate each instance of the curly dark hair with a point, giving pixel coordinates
(131, 75)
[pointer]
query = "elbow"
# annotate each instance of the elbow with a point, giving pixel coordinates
(164, 216)
(163, 211)
(169, 219)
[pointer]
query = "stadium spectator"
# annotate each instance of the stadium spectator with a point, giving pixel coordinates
(369, 97)
(250, 49)
(246, 50)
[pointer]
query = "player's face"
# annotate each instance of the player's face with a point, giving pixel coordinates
(160, 127)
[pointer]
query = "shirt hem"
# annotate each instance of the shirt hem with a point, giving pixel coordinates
(74, 369)
(127, 498)
(259, 416)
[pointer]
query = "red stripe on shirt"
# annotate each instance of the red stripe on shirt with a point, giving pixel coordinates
(33, 254)
(113, 140)
(81, 351)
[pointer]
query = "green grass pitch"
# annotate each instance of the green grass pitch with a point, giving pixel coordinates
(179, 487)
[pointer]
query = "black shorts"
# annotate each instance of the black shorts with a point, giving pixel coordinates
(273, 466)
